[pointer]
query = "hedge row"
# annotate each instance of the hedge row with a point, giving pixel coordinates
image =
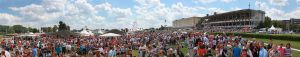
(266, 36)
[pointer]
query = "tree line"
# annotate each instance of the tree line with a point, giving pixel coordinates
(5, 29)
(61, 27)
(277, 23)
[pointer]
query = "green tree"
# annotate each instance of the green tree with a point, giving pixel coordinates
(63, 27)
(198, 25)
(68, 28)
(260, 25)
(295, 27)
(10, 30)
(267, 22)
(35, 30)
(4, 29)
(19, 29)
(55, 28)
(161, 27)
(115, 31)
(278, 24)
(126, 29)
(47, 29)
(30, 29)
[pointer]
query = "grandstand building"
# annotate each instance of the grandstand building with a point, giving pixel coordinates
(186, 23)
(240, 19)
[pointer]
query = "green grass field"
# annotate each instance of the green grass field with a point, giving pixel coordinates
(1, 36)
(287, 34)
(295, 44)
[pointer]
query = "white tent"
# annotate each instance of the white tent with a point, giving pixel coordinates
(100, 32)
(110, 35)
(29, 35)
(86, 33)
(272, 28)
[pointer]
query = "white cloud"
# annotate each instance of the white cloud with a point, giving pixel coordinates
(118, 12)
(235, 8)
(8, 18)
(274, 13)
(33, 12)
(227, 1)
(147, 13)
(186, 11)
(217, 10)
(294, 14)
(279, 2)
(205, 1)
(150, 3)
(154, 16)
(298, 1)
(77, 12)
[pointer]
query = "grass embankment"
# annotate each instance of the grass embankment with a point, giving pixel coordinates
(289, 37)
(288, 34)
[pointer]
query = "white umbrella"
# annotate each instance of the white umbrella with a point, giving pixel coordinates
(110, 35)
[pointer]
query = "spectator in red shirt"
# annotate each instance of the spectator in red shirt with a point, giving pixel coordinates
(281, 50)
(201, 51)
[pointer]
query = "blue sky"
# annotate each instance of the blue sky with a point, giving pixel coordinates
(98, 14)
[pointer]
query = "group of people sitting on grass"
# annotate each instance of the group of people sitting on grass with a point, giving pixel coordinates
(144, 44)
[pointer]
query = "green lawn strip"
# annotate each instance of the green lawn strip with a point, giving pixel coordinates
(295, 54)
(135, 53)
(288, 37)
(287, 34)
(184, 50)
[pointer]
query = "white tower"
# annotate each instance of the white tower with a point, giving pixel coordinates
(134, 26)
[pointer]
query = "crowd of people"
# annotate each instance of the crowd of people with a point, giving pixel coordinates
(145, 44)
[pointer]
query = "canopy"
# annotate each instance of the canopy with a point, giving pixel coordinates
(272, 28)
(86, 33)
(110, 35)
(100, 32)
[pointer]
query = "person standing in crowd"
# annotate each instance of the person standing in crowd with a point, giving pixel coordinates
(202, 50)
(34, 52)
(154, 44)
(220, 51)
(281, 50)
(142, 51)
(112, 52)
(272, 51)
(262, 52)
(229, 52)
(179, 52)
(58, 50)
(244, 53)
(236, 50)
(288, 50)
(7, 53)
(3, 54)
(68, 48)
